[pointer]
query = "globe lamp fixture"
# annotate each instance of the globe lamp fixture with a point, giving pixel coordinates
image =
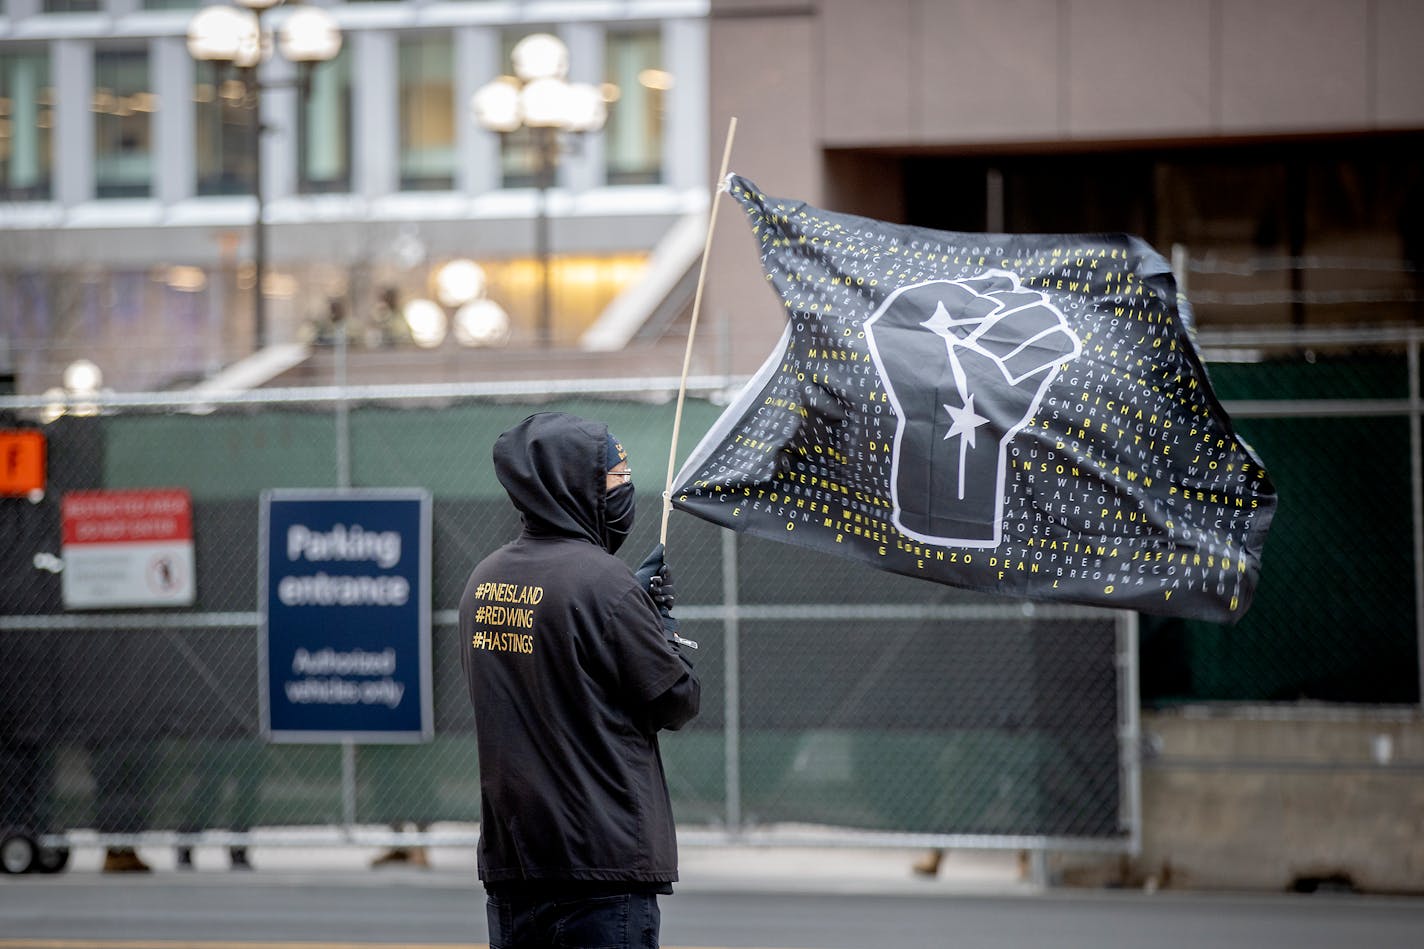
(232, 37)
(539, 98)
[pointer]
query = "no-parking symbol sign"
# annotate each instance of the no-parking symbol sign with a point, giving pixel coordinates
(127, 548)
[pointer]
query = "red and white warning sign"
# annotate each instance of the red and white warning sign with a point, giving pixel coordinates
(127, 548)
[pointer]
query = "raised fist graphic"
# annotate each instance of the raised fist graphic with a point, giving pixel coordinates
(965, 364)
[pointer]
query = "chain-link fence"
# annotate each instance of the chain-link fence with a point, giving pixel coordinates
(833, 696)
(1337, 616)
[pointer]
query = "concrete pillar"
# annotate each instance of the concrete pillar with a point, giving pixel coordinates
(685, 136)
(582, 168)
(19, 9)
(72, 68)
(281, 115)
(476, 63)
(173, 123)
(376, 118)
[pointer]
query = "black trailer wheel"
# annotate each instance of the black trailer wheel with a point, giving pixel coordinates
(51, 859)
(17, 852)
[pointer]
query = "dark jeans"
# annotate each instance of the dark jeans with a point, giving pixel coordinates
(625, 921)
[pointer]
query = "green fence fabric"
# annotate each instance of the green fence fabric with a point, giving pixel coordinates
(944, 713)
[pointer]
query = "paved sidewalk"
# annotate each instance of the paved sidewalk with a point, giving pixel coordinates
(705, 867)
(850, 870)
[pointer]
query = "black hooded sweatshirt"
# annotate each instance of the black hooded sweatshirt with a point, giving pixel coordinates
(571, 677)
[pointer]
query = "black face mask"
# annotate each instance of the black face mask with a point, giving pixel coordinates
(618, 517)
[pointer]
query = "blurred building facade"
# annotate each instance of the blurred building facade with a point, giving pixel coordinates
(1276, 143)
(126, 177)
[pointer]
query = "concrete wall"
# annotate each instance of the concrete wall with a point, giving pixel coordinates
(1267, 798)
(1259, 798)
(762, 71)
(916, 72)
(906, 74)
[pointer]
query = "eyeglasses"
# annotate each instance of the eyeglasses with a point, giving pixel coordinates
(626, 475)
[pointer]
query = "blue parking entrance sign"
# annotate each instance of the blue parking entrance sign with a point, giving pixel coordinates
(345, 601)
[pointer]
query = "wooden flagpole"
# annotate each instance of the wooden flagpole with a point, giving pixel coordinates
(692, 330)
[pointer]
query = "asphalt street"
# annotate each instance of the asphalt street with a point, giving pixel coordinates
(834, 907)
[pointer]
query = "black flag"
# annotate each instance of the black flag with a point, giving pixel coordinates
(1015, 413)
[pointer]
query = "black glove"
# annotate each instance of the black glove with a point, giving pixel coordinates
(654, 576)
(661, 589)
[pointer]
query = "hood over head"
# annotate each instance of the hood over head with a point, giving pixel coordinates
(553, 466)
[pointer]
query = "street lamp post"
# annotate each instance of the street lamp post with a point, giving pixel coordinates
(540, 99)
(234, 37)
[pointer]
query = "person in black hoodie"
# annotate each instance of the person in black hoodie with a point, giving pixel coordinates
(573, 666)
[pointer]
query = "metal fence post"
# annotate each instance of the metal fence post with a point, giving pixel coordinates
(343, 413)
(1416, 466)
(348, 784)
(732, 692)
(343, 481)
(1130, 725)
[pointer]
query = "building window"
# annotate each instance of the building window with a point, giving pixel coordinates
(222, 119)
(427, 113)
(26, 118)
(582, 287)
(324, 136)
(71, 6)
(123, 135)
(1300, 233)
(636, 85)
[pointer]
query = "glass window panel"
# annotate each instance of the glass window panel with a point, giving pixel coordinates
(324, 139)
(71, 6)
(1301, 233)
(637, 83)
(223, 131)
(427, 113)
(1309, 232)
(26, 123)
(123, 107)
